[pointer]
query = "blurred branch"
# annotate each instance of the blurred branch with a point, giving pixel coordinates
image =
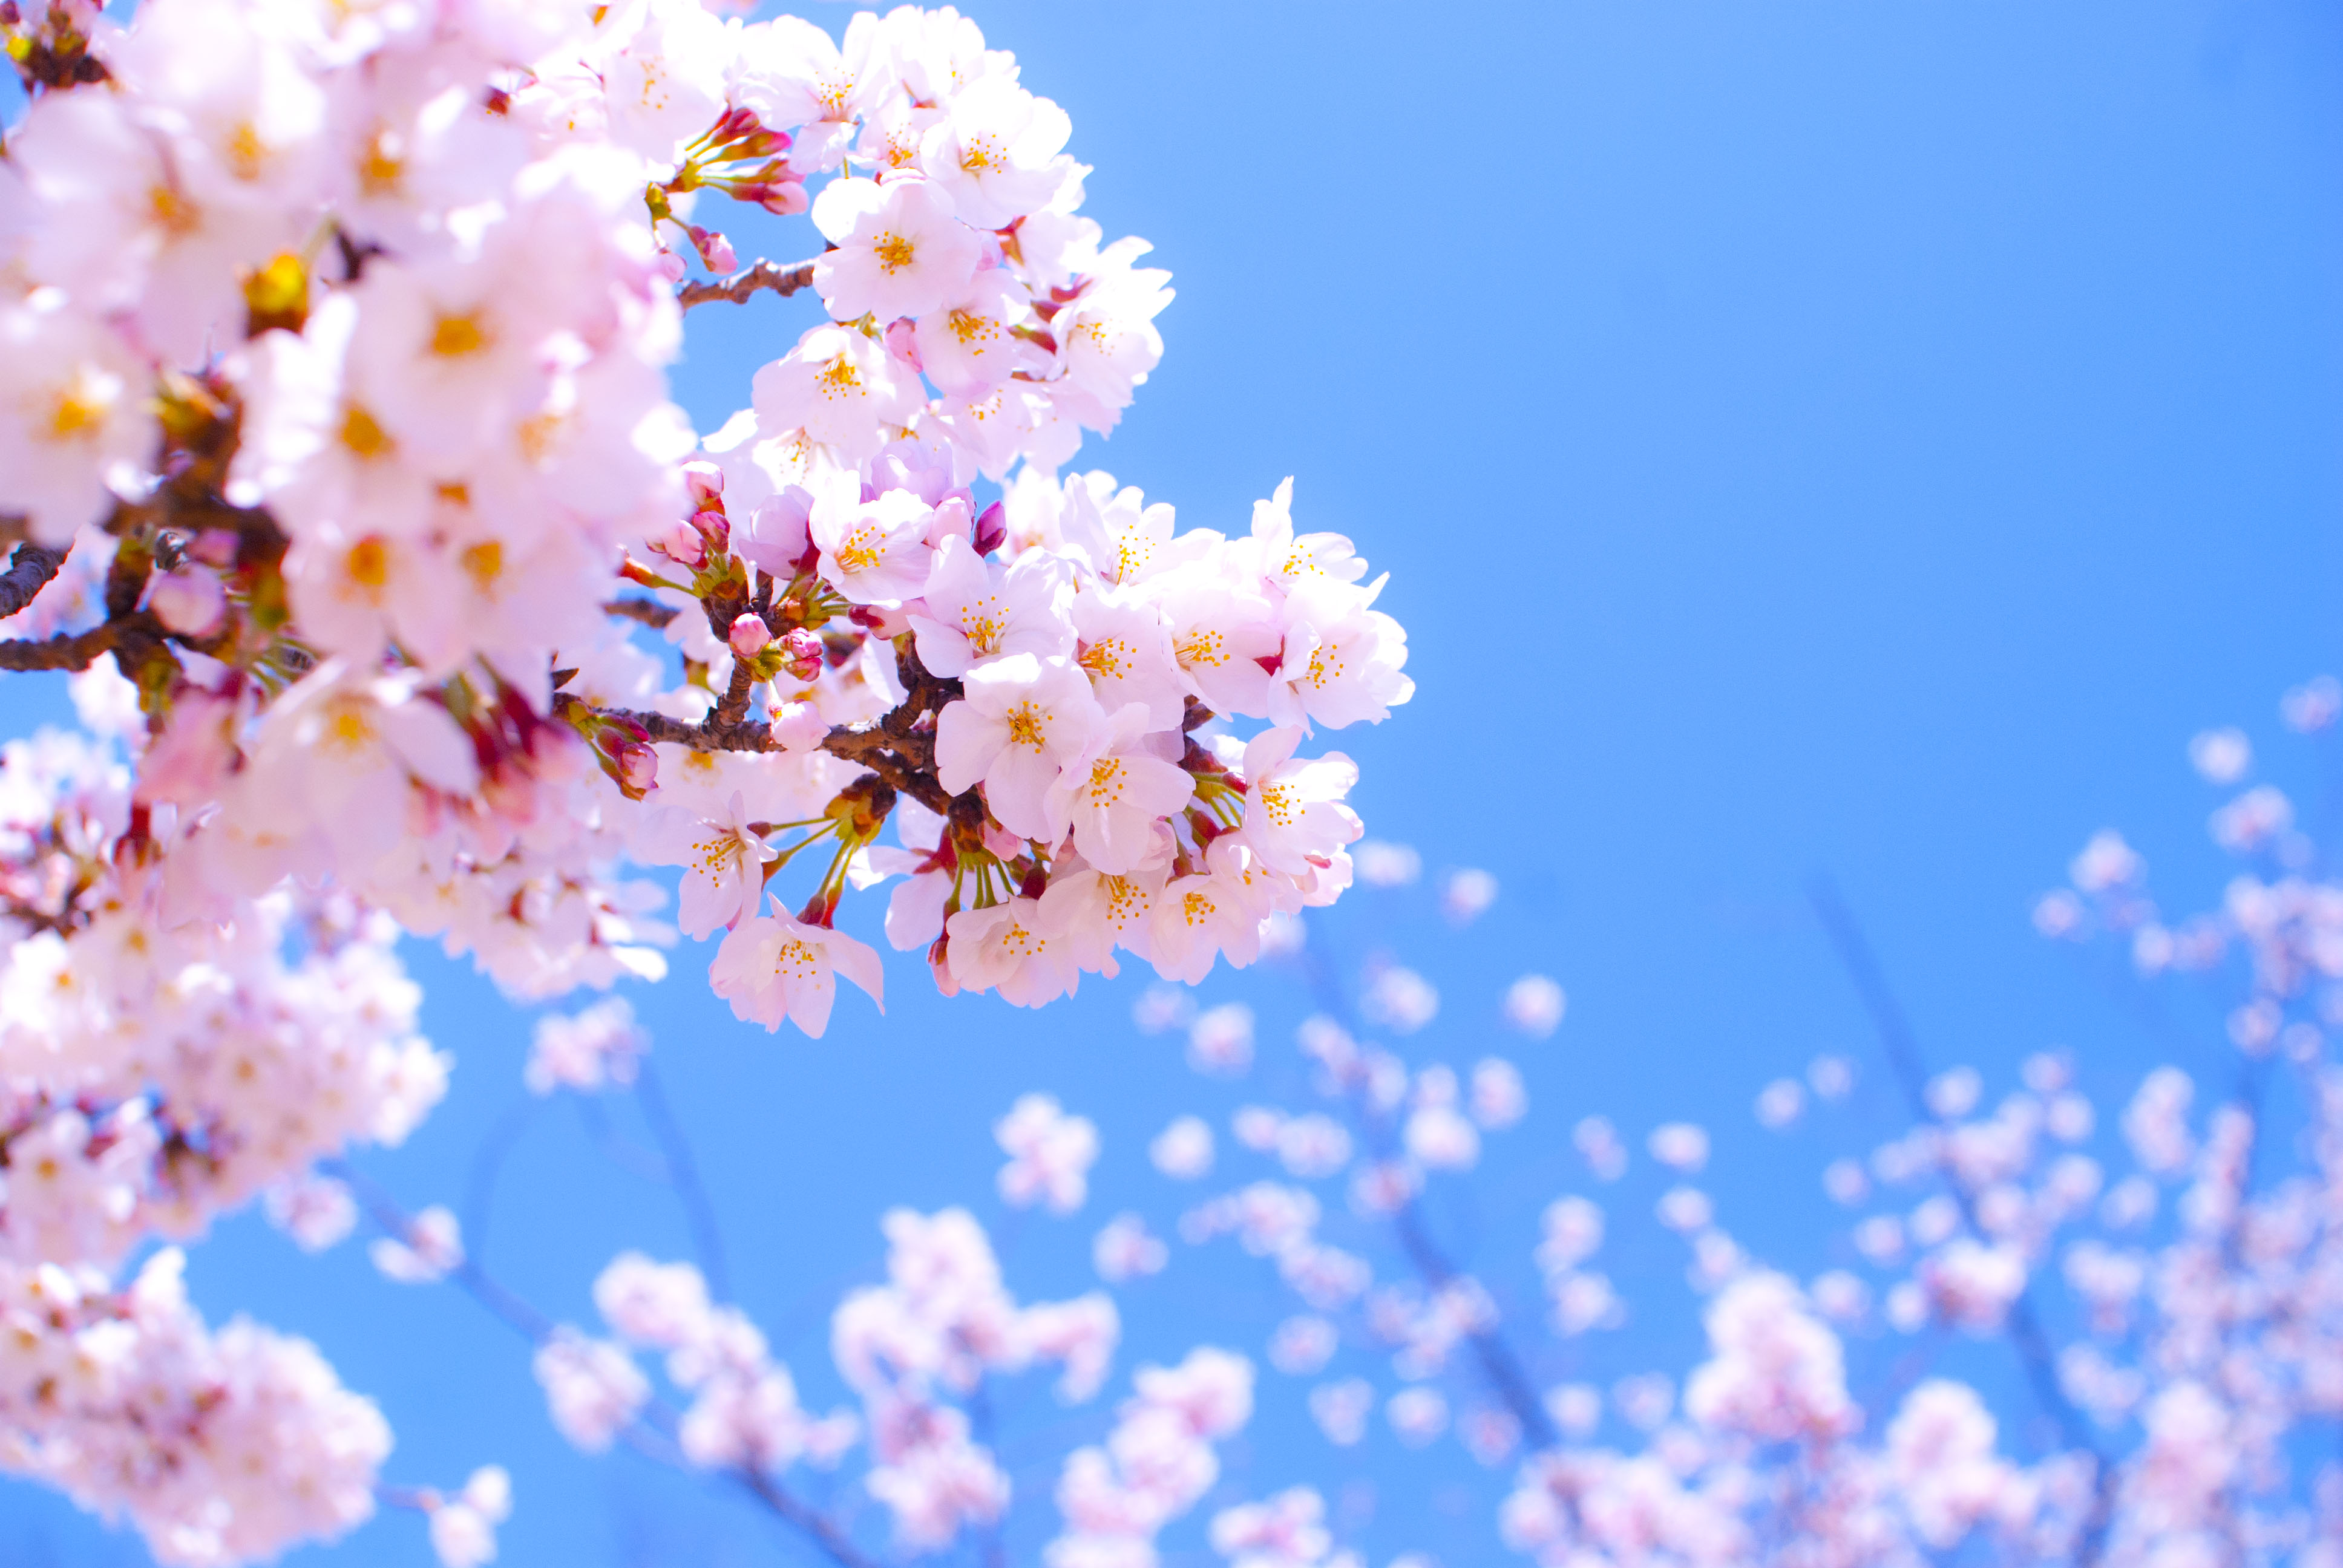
(649, 612)
(1500, 1363)
(683, 1175)
(652, 1433)
(488, 1164)
(2036, 1356)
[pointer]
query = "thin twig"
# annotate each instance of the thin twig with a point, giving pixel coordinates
(782, 280)
(487, 1161)
(538, 1329)
(2026, 1335)
(30, 571)
(1498, 1362)
(683, 1175)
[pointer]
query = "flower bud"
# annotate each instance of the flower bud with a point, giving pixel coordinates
(638, 768)
(682, 545)
(782, 198)
(902, 345)
(706, 483)
(715, 250)
(801, 653)
(190, 601)
(939, 966)
(991, 529)
(715, 528)
(750, 634)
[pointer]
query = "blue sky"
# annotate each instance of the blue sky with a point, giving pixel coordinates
(1812, 438)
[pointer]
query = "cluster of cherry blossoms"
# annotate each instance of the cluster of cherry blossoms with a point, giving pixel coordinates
(222, 1447)
(337, 457)
(337, 351)
(157, 1071)
(2174, 1330)
(2170, 1335)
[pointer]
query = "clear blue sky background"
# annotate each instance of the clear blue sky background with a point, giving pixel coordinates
(1805, 437)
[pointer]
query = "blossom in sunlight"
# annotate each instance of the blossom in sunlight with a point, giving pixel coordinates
(1220, 1041)
(1382, 865)
(1125, 1250)
(463, 1527)
(1050, 1154)
(1465, 896)
(1533, 1005)
(1184, 1150)
(590, 1048)
(430, 1248)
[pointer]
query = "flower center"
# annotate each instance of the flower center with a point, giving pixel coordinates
(361, 434)
(1027, 725)
(453, 336)
(982, 153)
(838, 378)
(368, 565)
(1202, 646)
(484, 563)
(861, 550)
(81, 407)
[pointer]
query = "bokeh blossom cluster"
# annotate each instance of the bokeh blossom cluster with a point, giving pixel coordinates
(338, 463)
(2094, 1316)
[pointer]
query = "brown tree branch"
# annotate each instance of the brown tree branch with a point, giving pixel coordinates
(650, 612)
(782, 280)
(80, 649)
(31, 569)
(904, 759)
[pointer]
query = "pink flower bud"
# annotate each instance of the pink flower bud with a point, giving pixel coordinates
(750, 634)
(706, 483)
(631, 763)
(782, 198)
(939, 966)
(715, 528)
(670, 266)
(681, 544)
(638, 767)
(190, 601)
(714, 249)
(902, 345)
(801, 653)
(991, 529)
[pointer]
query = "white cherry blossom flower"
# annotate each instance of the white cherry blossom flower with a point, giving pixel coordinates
(900, 249)
(1021, 720)
(723, 864)
(975, 609)
(1113, 792)
(773, 967)
(1295, 813)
